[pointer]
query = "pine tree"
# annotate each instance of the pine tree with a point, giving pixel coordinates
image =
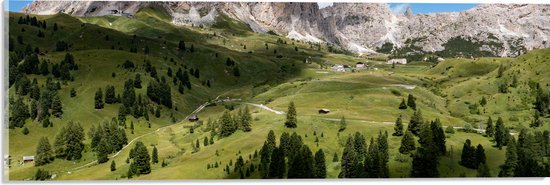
(383, 151)
(490, 130)
(426, 158)
(205, 141)
(351, 166)
(438, 136)
(246, 118)
(99, 99)
(302, 164)
(480, 155)
(468, 157)
(407, 143)
(155, 155)
(57, 107)
(102, 151)
(227, 125)
(141, 159)
(500, 133)
(398, 129)
(277, 166)
(113, 165)
(483, 101)
(509, 166)
(411, 102)
(320, 165)
(284, 143)
(483, 170)
(291, 117)
(343, 124)
(403, 105)
(416, 122)
(44, 152)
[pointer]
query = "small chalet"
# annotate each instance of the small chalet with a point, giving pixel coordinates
(28, 158)
(324, 111)
(397, 61)
(360, 65)
(193, 118)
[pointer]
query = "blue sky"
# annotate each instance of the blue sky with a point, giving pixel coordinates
(17, 5)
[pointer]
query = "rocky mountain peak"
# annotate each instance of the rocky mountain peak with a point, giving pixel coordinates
(502, 29)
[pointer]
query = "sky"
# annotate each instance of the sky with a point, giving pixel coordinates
(17, 5)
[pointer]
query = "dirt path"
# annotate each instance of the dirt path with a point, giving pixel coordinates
(135, 139)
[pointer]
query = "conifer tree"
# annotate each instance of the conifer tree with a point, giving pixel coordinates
(343, 124)
(500, 133)
(320, 165)
(416, 122)
(411, 102)
(490, 130)
(99, 99)
(407, 143)
(57, 107)
(509, 166)
(155, 155)
(113, 165)
(44, 152)
(398, 129)
(291, 117)
(483, 170)
(246, 118)
(438, 136)
(277, 166)
(351, 166)
(102, 151)
(403, 105)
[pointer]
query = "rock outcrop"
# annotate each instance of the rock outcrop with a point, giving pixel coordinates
(502, 29)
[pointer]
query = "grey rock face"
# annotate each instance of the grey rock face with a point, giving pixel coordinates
(357, 27)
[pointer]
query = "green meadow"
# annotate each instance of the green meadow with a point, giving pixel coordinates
(272, 74)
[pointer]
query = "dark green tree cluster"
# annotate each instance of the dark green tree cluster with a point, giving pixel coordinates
(526, 156)
(228, 123)
(19, 112)
(107, 138)
(33, 21)
(291, 159)
(69, 141)
(160, 93)
(432, 146)
(140, 160)
(183, 77)
(360, 161)
(42, 175)
(542, 100)
(472, 157)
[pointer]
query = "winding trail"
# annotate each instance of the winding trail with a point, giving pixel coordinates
(202, 106)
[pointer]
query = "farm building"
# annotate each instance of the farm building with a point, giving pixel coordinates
(360, 65)
(193, 118)
(397, 61)
(28, 158)
(324, 111)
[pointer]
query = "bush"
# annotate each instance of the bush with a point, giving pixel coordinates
(25, 131)
(395, 92)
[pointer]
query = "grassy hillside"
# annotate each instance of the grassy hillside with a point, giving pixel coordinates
(272, 72)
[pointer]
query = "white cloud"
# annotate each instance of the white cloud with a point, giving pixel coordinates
(399, 8)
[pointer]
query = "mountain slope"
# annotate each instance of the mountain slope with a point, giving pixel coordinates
(502, 30)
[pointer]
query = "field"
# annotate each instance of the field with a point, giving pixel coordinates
(271, 73)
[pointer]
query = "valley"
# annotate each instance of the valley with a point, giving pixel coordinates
(223, 70)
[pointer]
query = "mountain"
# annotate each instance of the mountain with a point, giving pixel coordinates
(495, 29)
